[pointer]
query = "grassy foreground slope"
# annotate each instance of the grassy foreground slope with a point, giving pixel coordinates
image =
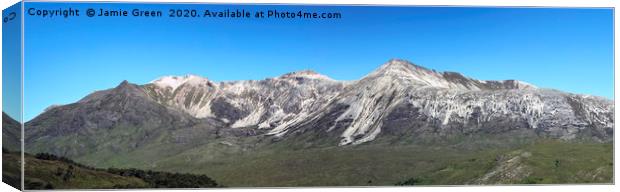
(46, 171)
(542, 161)
(54, 174)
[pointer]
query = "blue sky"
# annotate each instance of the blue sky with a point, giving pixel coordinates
(66, 59)
(11, 63)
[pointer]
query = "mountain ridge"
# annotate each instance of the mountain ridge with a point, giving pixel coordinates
(11, 133)
(392, 67)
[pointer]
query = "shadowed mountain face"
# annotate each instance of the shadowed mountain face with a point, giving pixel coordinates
(11, 133)
(117, 120)
(399, 104)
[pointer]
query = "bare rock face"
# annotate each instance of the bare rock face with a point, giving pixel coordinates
(398, 100)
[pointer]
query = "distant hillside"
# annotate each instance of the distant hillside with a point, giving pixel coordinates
(10, 133)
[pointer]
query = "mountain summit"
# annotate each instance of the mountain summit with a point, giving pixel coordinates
(306, 74)
(173, 82)
(410, 74)
(401, 68)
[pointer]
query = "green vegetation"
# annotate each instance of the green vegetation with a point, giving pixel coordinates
(47, 171)
(380, 164)
(56, 174)
(542, 162)
(11, 172)
(159, 179)
(259, 162)
(558, 162)
(413, 181)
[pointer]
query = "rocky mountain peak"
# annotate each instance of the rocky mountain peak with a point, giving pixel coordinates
(125, 85)
(409, 74)
(305, 74)
(126, 89)
(396, 64)
(122, 90)
(405, 73)
(516, 84)
(400, 68)
(173, 82)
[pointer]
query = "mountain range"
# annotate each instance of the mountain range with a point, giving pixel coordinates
(189, 118)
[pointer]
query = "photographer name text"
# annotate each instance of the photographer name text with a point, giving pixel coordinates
(180, 13)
